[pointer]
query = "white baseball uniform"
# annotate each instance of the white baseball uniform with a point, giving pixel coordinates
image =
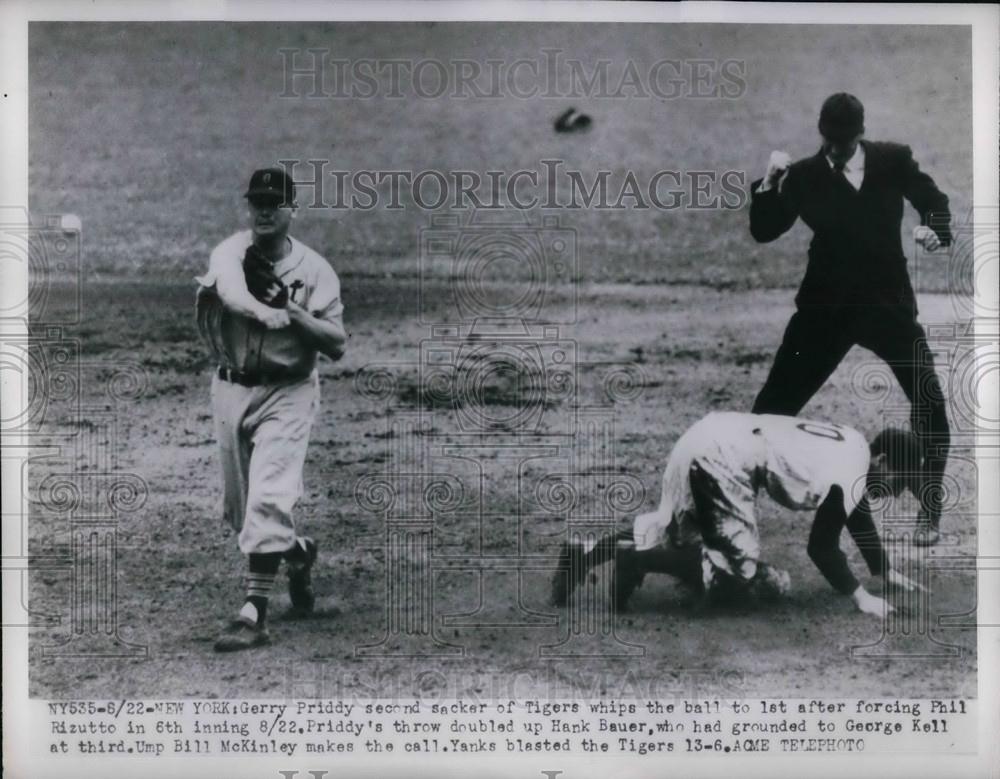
(266, 395)
(719, 465)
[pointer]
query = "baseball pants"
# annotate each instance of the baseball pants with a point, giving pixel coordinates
(721, 523)
(263, 435)
(818, 338)
(724, 511)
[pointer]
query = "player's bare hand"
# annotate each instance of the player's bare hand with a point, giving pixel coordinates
(273, 318)
(924, 236)
(870, 604)
(777, 166)
(896, 579)
(295, 312)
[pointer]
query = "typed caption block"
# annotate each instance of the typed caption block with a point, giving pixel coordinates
(712, 727)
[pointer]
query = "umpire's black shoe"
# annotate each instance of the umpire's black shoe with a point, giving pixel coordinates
(300, 589)
(570, 573)
(243, 634)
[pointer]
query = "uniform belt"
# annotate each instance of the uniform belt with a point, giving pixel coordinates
(258, 378)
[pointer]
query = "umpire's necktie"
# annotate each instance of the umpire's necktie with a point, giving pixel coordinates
(840, 176)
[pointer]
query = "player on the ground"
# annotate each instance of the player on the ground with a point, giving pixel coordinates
(856, 289)
(267, 307)
(705, 529)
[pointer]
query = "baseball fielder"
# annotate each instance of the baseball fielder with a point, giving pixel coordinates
(705, 529)
(266, 308)
(856, 289)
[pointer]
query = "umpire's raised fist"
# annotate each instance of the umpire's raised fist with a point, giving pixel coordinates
(777, 166)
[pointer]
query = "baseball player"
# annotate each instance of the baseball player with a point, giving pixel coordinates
(266, 308)
(856, 289)
(705, 529)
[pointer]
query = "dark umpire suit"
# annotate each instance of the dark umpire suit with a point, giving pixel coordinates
(856, 288)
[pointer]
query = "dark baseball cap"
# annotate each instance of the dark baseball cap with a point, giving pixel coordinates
(842, 117)
(271, 183)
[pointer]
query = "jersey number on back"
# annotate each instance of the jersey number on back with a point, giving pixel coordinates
(820, 431)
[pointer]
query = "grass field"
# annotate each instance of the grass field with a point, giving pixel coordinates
(148, 133)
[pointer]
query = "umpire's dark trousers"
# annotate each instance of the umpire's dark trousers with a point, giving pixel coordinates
(817, 339)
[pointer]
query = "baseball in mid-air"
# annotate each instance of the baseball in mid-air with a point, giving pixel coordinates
(70, 223)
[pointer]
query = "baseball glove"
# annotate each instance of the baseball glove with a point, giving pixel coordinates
(262, 281)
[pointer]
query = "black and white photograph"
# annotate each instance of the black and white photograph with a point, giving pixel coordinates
(589, 386)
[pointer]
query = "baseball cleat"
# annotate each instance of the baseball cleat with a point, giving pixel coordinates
(300, 589)
(243, 634)
(569, 574)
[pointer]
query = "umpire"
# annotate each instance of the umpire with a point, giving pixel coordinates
(856, 288)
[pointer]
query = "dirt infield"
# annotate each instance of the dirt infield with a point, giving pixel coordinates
(653, 359)
(148, 133)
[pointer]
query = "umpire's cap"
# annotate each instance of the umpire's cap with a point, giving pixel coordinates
(904, 455)
(841, 118)
(271, 184)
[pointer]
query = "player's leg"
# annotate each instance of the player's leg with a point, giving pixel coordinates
(231, 402)
(681, 562)
(897, 337)
(731, 567)
(724, 504)
(281, 441)
(668, 540)
(811, 349)
(279, 427)
(576, 560)
(300, 560)
(630, 565)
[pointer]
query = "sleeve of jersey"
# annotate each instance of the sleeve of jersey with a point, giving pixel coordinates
(225, 274)
(862, 528)
(824, 544)
(325, 302)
